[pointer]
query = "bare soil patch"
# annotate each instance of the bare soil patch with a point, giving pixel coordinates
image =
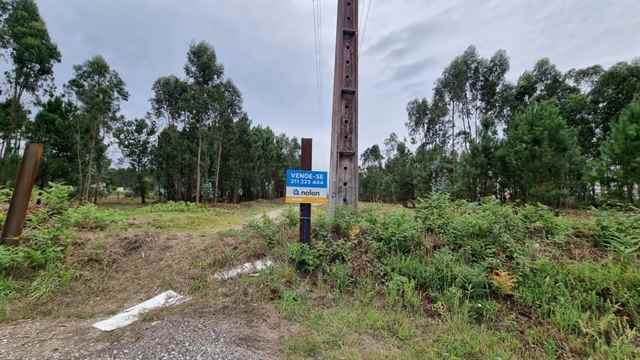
(114, 271)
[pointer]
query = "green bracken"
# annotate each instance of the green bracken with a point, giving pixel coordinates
(472, 266)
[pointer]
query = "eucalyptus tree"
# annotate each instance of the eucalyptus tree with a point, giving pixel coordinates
(173, 163)
(242, 159)
(610, 95)
(471, 88)
(51, 127)
(228, 109)
(169, 99)
(32, 54)
(372, 174)
(99, 91)
(205, 77)
(4, 11)
(427, 121)
(136, 139)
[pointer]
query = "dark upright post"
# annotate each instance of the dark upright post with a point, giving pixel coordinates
(22, 193)
(305, 209)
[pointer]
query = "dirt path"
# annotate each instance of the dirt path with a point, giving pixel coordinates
(217, 325)
(169, 338)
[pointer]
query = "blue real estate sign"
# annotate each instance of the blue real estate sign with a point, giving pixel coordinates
(307, 187)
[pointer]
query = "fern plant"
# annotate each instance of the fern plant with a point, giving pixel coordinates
(619, 231)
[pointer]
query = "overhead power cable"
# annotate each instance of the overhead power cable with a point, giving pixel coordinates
(366, 21)
(317, 38)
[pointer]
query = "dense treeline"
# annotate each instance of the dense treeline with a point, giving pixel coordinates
(552, 137)
(195, 144)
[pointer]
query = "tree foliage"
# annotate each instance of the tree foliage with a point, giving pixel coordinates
(135, 139)
(540, 155)
(621, 152)
(32, 53)
(554, 137)
(100, 91)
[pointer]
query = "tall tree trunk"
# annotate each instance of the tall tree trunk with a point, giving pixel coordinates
(453, 127)
(87, 185)
(80, 177)
(467, 134)
(95, 195)
(215, 195)
(13, 121)
(143, 190)
(90, 170)
(198, 165)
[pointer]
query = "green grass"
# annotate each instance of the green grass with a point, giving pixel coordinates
(352, 329)
(181, 217)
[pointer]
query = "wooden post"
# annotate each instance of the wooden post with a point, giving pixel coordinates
(305, 209)
(343, 182)
(27, 176)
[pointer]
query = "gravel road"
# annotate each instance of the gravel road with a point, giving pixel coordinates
(174, 339)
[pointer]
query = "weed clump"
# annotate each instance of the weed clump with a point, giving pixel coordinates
(90, 217)
(483, 264)
(36, 265)
(174, 207)
(618, 231)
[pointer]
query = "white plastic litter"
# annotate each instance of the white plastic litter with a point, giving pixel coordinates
(248, 268)
(132, 314)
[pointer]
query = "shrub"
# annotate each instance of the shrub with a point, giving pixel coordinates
(8, 287)
(483, 311)
(290, 218)
(17, 258)
(618, 231)
(90, 217)
(442, 271)
(5, 195)
(401, 291)
(395, 233)
(344, 222)
(541, 222)
(486, 232)
(55, 198)
(39, 259)
(267, 229)
(304, 257)
(503, 282)
(340, 276)
(321, 228)
(576, 295)
(434, 212)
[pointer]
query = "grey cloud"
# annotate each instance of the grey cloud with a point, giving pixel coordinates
(267, 48)
(411, 70)
(400, 42)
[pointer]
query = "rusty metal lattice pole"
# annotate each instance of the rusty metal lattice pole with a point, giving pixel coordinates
(343, 182)
(22, 193)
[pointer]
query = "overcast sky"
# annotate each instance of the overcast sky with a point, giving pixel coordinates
(267, 48)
